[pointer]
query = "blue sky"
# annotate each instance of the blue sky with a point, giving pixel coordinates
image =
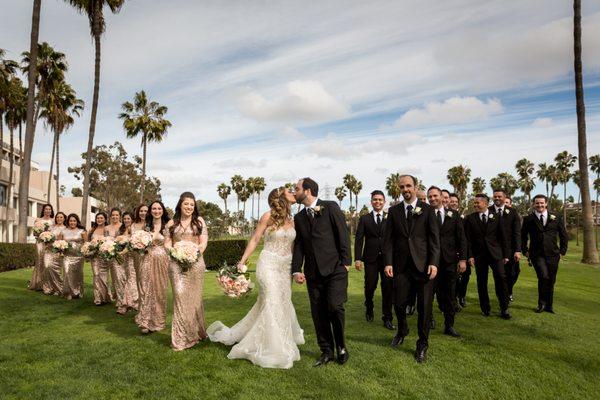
(291, 89)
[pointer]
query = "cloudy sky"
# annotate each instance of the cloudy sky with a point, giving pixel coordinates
(323, 88)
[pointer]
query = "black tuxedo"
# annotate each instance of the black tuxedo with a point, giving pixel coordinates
(487, 245)
(322, 245)
(368, 248)
(539, 243)
(411, 244)
(511, 224)
(453, 248)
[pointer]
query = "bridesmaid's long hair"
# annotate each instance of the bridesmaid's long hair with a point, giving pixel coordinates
(150, 219)
(64, 216)
(136, 212)
(281, 209)
(195, 224)
(79, 226)
(123, 228)
(51, 210)
(95, 224)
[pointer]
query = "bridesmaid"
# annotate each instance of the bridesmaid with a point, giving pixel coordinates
(139, 224)
(72, 263)
(47, 216)
(131, 290)
(153, 274)
(52, 280)
(100, 267)
(188, 310)
(118, 276)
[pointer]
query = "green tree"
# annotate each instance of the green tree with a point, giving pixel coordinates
(478, 185)
(224, 191)
(543, 174)
(564, 162)
(595, 167)
(259, 186)
(237, 184)
(506, 182)
(356, 189)
(525, 169)
(250, 187)
(554, 177)
(145, 118)
(349, 182)
(392, 186)
(340, 194)
(459, 177)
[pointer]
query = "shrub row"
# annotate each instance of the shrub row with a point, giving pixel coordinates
(16, 255)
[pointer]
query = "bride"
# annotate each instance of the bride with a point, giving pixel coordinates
(269, 334)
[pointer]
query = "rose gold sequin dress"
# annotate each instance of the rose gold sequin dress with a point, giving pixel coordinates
(188, 310)
(153, 277)
(72, 265)
(52, 280)
(130, 300)
(38, 269)
(118, 277)
(101, 270)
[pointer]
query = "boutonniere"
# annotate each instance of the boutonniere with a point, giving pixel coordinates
(506, 211)
(491, 216)
(552, 217)
(417, 211)
(462, 216)
(385, 216)
(449, 214)
(318, 210)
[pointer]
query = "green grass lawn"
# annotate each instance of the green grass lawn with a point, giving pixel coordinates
(51, 348)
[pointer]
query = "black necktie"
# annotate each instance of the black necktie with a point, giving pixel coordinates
(378, 219)
(483, 218)
(409, 215)
(439, 217)
(542, 219)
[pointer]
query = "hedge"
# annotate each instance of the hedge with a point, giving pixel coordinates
(224, 250)
(16, 255)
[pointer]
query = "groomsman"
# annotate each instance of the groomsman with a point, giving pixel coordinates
(463, 278)
(445, 197)
(511, 223)
(454, 202)
(368, 253)
(540, 233)
(453, 257)
(487, 248)
(412, 252)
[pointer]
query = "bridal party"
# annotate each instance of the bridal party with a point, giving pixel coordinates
(418, 252)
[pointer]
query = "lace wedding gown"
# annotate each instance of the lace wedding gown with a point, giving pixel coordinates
(269, 334)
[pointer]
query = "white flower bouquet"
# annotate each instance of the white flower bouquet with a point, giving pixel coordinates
(140, 241)
(60, 247)
(234, 280)
(185, 254)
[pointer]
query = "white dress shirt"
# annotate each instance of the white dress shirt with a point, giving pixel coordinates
(486, 213)
(375, 213)
(413, 204)
(442, 212)
(544, 214)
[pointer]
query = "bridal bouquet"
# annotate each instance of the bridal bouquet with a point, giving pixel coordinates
(40, 226)
(60, 247)
(46, 237)
(185, 254)
(234, 280)
(140, 241)
(89, 250)
(109, 250)
(122, 242)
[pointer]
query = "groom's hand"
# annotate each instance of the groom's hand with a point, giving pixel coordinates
(389, 271)
(432, 271)
(358, 265)
(299, 278)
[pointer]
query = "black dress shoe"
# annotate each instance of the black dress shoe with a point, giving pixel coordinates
(421, 354)
(549, 310)
(388, 325)
(324, 359)
(462, 301)
(432, 324)
(486, 313)
(540, 308)
(369, 316)
(450, 331)
(343, 356)
(505, 314)
(410, 310)
(398, 339)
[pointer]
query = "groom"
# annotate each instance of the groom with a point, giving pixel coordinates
(323, 245)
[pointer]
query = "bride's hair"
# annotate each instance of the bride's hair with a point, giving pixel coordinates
(280, 208)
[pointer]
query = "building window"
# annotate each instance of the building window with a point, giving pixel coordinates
(3, 193)
(93, 209)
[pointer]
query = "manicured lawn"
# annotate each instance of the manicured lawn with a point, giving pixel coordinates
(54, 349)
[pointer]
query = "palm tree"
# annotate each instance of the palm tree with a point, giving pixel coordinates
(525, 170)
(94, 10)
(251, 190)
(244, 196)
(459, 177)
(554, 177)
(504, 181)
(259, 187)
(356, 188)
(340, 193)
(7, 71)
(564, 162)
(224, 191)
(543, 175)
(237, 184)
(595, 167)
(145, 117)
(577, 181)
(349, 182)
(392, 185)
(419, 185)
(478, 185)
(59, 109)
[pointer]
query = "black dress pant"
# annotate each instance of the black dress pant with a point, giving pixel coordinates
(372, 274)
(546, 269)
(327, 296)
(445, 291)
(513, 269)
(482, 266)
(463, 282)
(404, 282)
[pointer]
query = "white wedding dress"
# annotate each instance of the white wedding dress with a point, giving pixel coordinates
(269, 334)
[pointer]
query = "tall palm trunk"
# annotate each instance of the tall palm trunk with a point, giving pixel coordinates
(547, 193)
(92, 131)
(57, 173)
(590, 252)
(21, 142)
(54, 140)
(258, 205)
(565, 204)
(225, 201)
(143, 184)
(252, 213)
(578, 215)
(29, 129)
(9, 196)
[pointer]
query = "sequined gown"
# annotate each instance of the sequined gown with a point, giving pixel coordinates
(38, 269)
(131, 285)
(100, 271)
(269, 334)
(153, 277)
(72, 265)
(52, 280)
(118, 278)
(188, 310)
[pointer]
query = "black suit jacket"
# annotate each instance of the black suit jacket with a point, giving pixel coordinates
(323, 243)
(453, 243)
(421, 243)
(511, 224)
(488, 239)
(538, 240)
(368, 242)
